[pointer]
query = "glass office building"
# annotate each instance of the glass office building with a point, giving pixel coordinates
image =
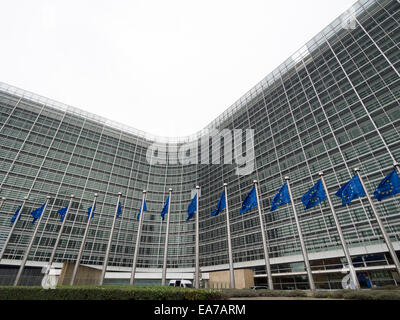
(332, 106)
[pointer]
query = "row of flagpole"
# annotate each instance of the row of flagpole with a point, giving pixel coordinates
(353, 189)
(388, 187)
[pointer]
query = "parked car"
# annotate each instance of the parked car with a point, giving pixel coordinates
(181, 283)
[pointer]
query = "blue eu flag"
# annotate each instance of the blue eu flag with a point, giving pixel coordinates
(280, 198)
(90, 209)
(119, 210)
(165, 208)
(351, 190)
(314, 196)
(388, 187)
(250, 201)
(144, 209)
(37, 213)
(62, 212)
(192, 208)
(221, 205)
(16, 214)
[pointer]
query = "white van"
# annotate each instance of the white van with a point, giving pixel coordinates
(180, 283)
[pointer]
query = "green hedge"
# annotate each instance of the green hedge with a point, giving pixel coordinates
(172, 293)
(360, 295)
(108, 293)
(382, 294)
(388, 287)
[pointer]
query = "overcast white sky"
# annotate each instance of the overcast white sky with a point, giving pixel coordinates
(165, 67)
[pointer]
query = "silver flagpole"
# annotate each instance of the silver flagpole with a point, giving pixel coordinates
(197, 251)
(103, 272)
(78, 259)
(339, 229)
(264, 240)
(396, 165)
(164, 270)
(303, 247)
(139, 234)
(22, 266)
(53, 253)
(12, 229)
(382, 228)
(228, 230)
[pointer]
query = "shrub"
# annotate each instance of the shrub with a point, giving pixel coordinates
(372, 295)
(282, 293)
(387, 287)
(387, 295)
(297, 293)
(359, 295)
(337, 294)
(240, 293)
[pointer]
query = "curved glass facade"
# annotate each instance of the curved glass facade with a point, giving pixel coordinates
(332, 106)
